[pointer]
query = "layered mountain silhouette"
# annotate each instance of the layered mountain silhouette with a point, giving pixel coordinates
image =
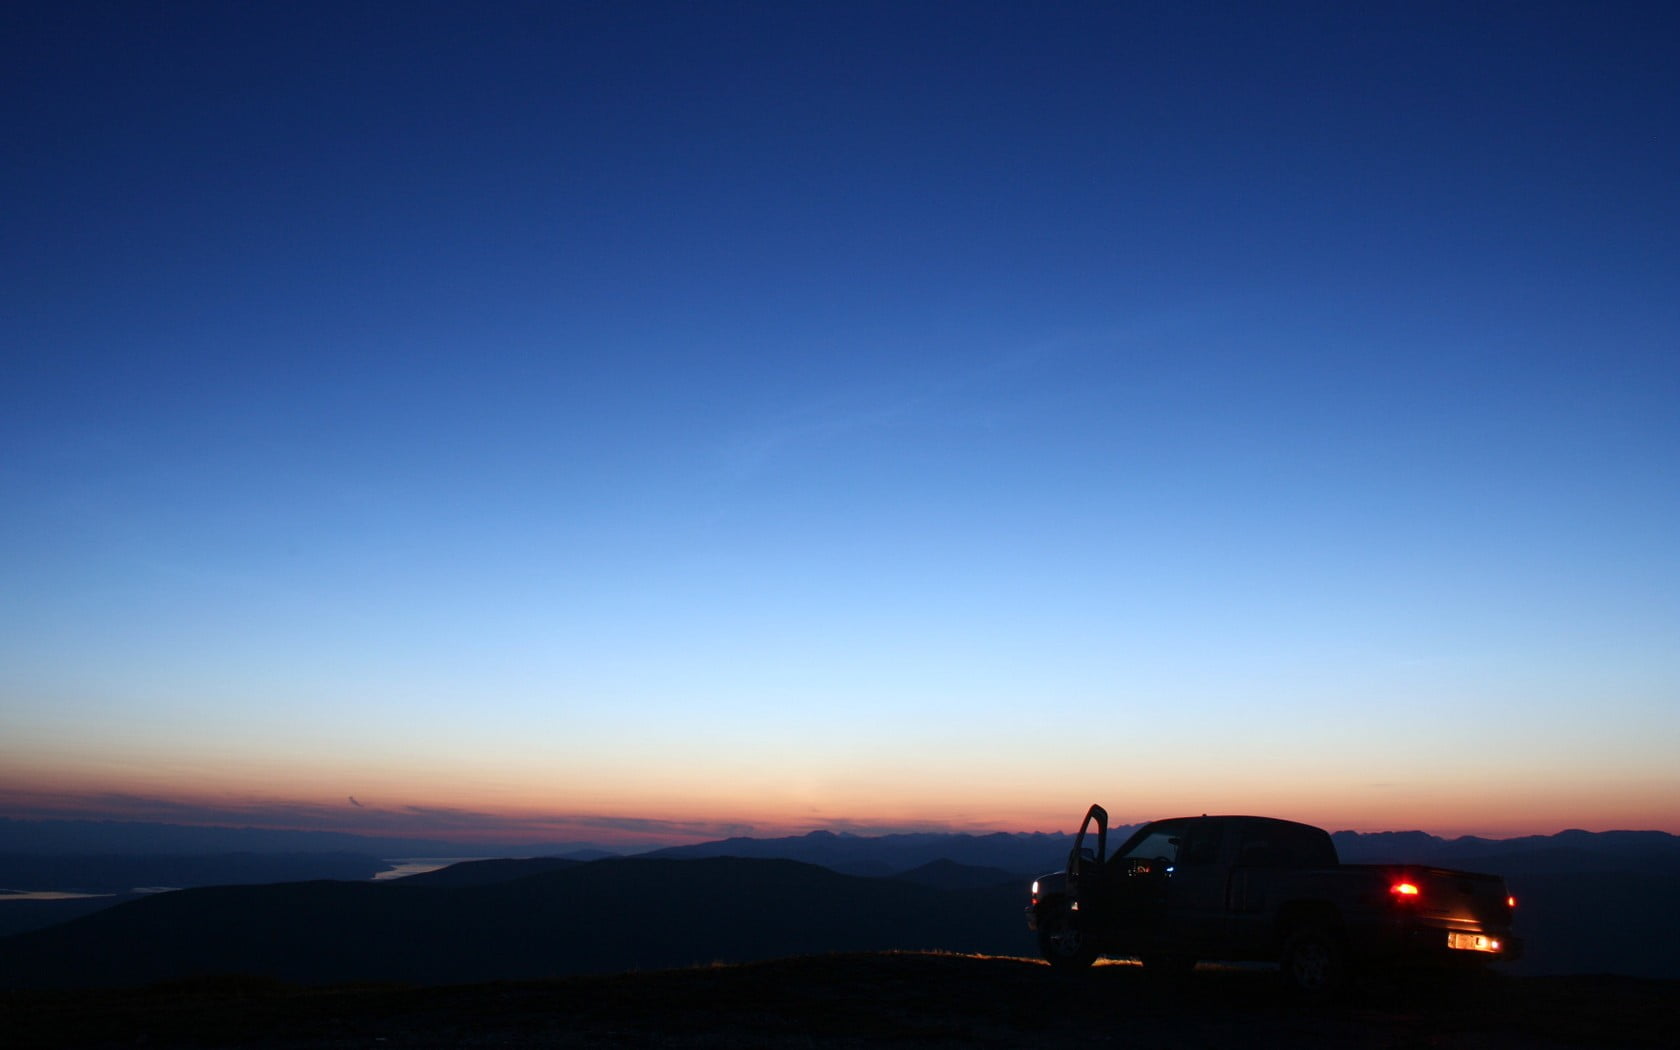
(112, 856)
(1566, 851)
(949, 875)
(1589, 903)
(1017, 853)
(599, 917)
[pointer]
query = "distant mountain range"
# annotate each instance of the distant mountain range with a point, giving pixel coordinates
(1565, 851)
(1589, 902)
(114, 857)
(1022, 854)
(1026, 855)
(79, 842)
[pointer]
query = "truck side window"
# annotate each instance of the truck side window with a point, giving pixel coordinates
(1162, 841)
(1283, 846)
(1201, 846)
(1306, 847)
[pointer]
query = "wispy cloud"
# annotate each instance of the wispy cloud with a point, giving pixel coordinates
(558, 827)
(796, 430)
(964, 392)
(983, 390)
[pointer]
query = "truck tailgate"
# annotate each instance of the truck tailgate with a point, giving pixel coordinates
(1449, 899)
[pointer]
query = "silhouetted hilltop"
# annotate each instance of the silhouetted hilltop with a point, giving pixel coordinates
(17, 916)
(949, 875)
(488, 872)
(597, 917)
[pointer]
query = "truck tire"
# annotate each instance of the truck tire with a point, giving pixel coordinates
(1063, 945)
(1314, 962)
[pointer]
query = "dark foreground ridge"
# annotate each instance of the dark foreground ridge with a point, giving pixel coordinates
(890, 999)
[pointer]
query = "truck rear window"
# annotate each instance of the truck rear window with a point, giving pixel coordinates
(1286, 846)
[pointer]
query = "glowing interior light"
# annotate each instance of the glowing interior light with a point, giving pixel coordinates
(1404, 889)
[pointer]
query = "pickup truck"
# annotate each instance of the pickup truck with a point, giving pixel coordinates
(1247, 889)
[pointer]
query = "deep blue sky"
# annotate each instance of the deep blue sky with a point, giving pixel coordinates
(858, 414)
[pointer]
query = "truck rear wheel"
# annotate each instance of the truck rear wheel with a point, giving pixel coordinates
(1314, 962)
(1063, 944)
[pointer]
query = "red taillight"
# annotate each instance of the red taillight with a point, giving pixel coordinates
(1510, 902)
(1404, 889)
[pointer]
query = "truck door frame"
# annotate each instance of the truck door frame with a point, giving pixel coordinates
(1198, 890)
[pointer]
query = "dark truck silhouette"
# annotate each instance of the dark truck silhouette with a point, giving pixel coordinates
(1257, 889)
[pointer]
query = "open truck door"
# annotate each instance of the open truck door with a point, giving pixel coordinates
(1065, 936)
(1087, 856)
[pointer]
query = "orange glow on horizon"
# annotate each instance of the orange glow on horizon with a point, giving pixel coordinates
(674, 788)
(502, 815)
(619, 807)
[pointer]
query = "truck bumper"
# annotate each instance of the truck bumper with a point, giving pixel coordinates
(1443, 944)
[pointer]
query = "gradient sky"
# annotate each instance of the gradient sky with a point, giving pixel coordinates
(640, 422)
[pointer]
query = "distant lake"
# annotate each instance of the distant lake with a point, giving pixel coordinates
(402, 867)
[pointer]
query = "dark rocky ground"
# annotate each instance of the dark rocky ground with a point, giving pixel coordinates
(859, 1000)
